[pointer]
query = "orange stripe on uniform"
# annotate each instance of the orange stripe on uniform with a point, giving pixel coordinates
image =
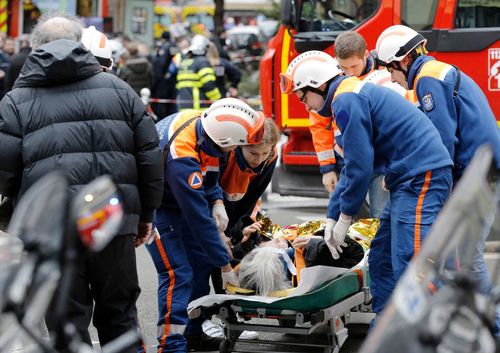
(171, 284)
(418, 215)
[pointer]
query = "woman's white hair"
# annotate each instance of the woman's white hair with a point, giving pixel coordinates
(263, 271)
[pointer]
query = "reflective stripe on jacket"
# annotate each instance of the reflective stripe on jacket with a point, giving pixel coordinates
(196, 83)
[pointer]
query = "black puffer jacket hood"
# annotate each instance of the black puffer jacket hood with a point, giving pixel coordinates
(65, 114)
(56, 63)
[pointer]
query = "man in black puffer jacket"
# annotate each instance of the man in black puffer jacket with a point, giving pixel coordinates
(65, 114)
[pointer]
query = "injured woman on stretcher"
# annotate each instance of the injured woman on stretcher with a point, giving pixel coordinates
(272, 257)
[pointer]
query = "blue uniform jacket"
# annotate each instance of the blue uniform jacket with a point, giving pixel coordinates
(464, 121)
(379, 126)
(191, 180)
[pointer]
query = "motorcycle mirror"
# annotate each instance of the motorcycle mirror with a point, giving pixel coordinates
(98, 213)
(38, 218)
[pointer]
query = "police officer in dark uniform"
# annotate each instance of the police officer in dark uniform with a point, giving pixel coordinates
(163, 81)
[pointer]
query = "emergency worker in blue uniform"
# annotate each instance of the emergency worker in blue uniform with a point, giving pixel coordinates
(378, 126)
(453, 102)
(192, 217)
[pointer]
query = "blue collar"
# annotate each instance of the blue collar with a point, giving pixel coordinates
(326, 109)
(369, 65)
(206, 144)
(415, 68)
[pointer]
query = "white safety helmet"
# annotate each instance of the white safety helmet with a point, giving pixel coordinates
(199, 45)
(177, 30)
(309, 69)
(395, 42)
(117, 49)
(232, 122)
(98, 44)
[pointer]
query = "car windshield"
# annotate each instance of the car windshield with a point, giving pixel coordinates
(446, 257)
(334, 15)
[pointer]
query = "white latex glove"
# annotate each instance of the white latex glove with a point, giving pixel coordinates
(229, 277)
(220, 217)
(340, 230)
(335, 249)
(329, 181)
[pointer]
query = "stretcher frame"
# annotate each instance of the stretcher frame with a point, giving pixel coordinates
(330, 321)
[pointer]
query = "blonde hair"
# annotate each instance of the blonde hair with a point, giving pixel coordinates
(272, 133)
(213, 54)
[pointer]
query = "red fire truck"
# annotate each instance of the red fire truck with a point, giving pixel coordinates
(465, 33)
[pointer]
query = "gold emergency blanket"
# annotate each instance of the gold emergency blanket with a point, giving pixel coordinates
(361, 231)
(273, 231)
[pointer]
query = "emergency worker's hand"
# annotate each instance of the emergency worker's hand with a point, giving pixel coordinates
(220, 216)
(329, 181)
(249, 230)
(233, 92)
(153, 236)
(335, 249)
(143, 233)
(340, 230)
(228, 276)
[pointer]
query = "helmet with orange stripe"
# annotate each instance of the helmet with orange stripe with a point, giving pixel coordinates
(98, 45)
(309, 71)
(231, 122)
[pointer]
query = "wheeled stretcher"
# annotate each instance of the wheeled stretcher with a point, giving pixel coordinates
(321, 314)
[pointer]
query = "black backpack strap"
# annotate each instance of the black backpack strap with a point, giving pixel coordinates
(457, 82)
(166, 149)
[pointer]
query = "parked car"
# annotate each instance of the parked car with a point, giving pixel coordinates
(245, 38)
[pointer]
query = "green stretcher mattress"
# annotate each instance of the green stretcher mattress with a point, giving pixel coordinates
(327, 295)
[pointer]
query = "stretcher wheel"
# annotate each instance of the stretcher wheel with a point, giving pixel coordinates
(226, 346)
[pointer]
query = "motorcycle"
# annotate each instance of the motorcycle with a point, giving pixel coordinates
(47, 232)
(437, 305)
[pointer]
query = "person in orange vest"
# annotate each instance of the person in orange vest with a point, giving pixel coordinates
(356, 61)
(245, 174)
(378, 126)
(454, 103)
(323, 136)
(192, 215)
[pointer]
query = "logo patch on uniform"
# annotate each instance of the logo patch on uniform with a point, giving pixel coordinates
(494, 68)
(195, 180)
(428, 102)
